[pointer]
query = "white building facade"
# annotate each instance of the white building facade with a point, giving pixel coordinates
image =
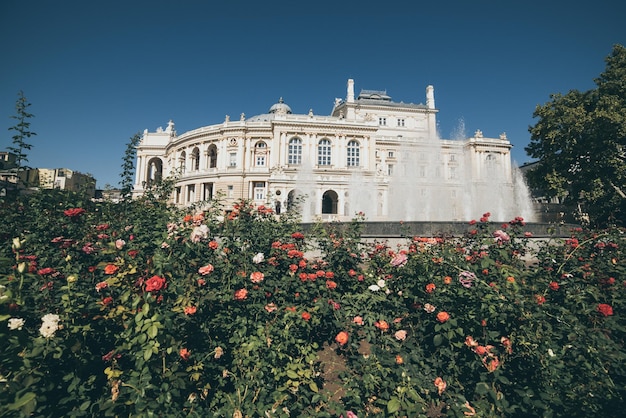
(370, 154)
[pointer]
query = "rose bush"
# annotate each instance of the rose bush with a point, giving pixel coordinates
(141, 309)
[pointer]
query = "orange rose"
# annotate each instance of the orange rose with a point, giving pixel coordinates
(399, 359)
(213, 245)
(443, 316)
(190, 310)
(241, 294)
(481, 350)
(330, 284)
(184, 354)
(257, 277)
(440, 384)
(381, 325)
(306, 316)
(206, 269)
(342, 338)
(430, 287)
(111, 269)
(447, 280)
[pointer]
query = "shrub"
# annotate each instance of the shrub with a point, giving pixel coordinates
(142, 309)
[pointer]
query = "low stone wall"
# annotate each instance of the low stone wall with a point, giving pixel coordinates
(448, 229)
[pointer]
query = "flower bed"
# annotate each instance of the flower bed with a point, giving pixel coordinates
(137, 309)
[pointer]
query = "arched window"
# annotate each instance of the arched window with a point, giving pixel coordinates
(329, 202)
(182, 162)
(260, 153)
(294, 154)
(212, 156)
(195, 159)
(354, 154)
(155, 170)
(323, 152)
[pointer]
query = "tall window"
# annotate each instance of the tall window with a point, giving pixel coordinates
(195, 159)
(400, 122)
(259, 154)
(295, 151)
(212, 156)
(181, 162)
(382, 121)
(354, 152)
(233, 159)
(323, 152)
(259, 190)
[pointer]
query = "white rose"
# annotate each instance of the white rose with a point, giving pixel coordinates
(16, 323)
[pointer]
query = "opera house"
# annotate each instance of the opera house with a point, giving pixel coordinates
(371, 155)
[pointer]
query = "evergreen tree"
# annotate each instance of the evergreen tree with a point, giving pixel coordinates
(128, 166)
(22, 132)
(580, 142)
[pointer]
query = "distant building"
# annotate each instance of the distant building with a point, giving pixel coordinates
(8, 173)
(59, 178)
(7, 160)
(370, 154)
(108, 195)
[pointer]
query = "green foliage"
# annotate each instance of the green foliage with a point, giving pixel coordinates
(22, 132)
(580, 141)
(163, 312)
(128, 166)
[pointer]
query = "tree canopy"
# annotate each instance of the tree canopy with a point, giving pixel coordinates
(580, 142)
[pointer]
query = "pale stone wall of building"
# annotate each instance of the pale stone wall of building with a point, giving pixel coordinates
(370, 153)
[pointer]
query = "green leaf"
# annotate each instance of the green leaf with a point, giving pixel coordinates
(393, 405)
(437, 340)
(291, 374)
(482, 388)
(152, 331)
(147, 353)
(22, 400)
(313, 387)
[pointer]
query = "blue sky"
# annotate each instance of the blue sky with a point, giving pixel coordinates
(97, 72)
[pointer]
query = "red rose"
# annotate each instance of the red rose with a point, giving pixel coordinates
(44, 271)
(554, 286)
(111, 269)
(155, 283)
(330, 284)
(73, 212)
(605, 310)
(306, 316)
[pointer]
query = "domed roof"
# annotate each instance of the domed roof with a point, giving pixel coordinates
(280, 107)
